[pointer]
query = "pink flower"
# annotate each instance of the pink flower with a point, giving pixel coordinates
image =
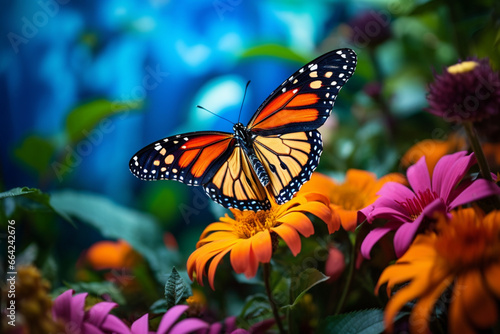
(190, 325)
(406, 209)
(69, 310)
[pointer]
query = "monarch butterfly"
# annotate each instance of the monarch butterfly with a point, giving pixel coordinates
(275, 153)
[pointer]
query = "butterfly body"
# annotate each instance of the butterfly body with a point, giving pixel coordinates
(245, 139)
(272, 156)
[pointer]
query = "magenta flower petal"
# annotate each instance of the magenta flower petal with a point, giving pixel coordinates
(442, 169)
(140, 326)
(478, 189)
(89, 329)
(70, 310)
(188, 326)
(77, 308)
(456, 173)
(406, 233)
(216, 328)
(400, 205)
(170, 318)
(114, 325)
(388, 213)
(99, 311)
(395, 192)
(374, 236)
(61, 309)
(418, 176)
(230, 324)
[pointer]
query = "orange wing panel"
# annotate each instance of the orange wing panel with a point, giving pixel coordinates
(287, 116)
(208, 155)
(303, 100)
(274, 105)
(203, 141)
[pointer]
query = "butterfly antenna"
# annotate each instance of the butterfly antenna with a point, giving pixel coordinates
(244, 95)
(215, 114)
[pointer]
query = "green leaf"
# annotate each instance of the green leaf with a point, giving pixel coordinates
(361, 322)
(303, 282)
(18, 192)
(35, 152)
(84, 118)
(99, 289)
(256, 306)
(159, 306)
(175, 289)
(35, 195)
(427, 7)
(140, 230)
(275, 50)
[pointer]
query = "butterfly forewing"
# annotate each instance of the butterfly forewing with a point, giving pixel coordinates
(304, 101)
(191, 158)
(289, 160)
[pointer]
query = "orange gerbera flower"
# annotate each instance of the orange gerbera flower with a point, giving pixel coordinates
(463, 255)
(251, 236)
(111, 255)
(433, 150)
(357, 192)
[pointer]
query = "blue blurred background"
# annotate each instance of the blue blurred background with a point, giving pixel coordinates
(86, 84)
(145, 65)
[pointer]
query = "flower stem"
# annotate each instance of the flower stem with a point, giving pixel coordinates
(266, 270)
(350, 275)
(478, 151)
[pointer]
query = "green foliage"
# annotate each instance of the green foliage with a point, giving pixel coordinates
(305, 281)
(36, 153)
(176, 289)
(140, 230)
(98, 289)
(274, 50)
(20, 192)
(84, 118)
(36, 200)
(360, 322)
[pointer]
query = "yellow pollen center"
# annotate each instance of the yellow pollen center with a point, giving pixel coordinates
(249, 223)
(462, 67)
(348, 197)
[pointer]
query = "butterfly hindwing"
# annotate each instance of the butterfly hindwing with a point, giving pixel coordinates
(304, 101)
(236, 185)
(191, 158)
(289, 160)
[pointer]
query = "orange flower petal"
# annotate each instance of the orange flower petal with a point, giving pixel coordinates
(420, 315)
(240, 255)
(262, 246)
(298, 221)
(399, 299)
(476, 300)
(318, 183)
(110, 255)
(360, 178)
(213, 267)
(253, 265)
(458, 320)
(348, 218)
(320, 210)
(216, 227)
(290, 236)
(216, 236)
(491, 275)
